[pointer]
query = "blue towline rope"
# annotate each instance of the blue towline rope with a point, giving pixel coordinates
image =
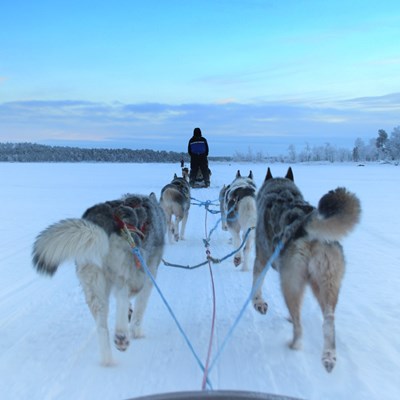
(214, 260)
(219, 260)
(206, 241)
(274, 256)
(137, 253)
(206, 204)
(209, 203)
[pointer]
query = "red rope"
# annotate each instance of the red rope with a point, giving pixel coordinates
(205, 375)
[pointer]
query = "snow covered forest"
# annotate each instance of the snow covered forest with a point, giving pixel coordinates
(384, 147)
(32, 152)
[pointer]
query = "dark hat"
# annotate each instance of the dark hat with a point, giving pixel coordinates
(197, 132)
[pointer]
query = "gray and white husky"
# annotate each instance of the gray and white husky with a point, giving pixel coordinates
(105, 261)
(239, 214)
(175, 201)
(311, 253)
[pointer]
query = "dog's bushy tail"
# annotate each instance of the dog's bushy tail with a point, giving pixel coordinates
(337, 214)
(70, 239)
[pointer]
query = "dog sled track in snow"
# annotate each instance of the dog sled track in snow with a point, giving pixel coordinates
(210, 363)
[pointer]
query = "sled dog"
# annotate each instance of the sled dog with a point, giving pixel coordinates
(175, 201)
(105, 261)
(239, 214)
(311, 253)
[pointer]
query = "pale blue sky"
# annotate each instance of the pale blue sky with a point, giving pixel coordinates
(143, 74)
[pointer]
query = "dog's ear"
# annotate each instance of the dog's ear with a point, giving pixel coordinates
(269, 175)
(238, 174)
(185, 174)
(175, 176)
(251, 174)
(289, 174)
(153, 196)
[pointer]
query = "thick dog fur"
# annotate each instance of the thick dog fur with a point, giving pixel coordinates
(239, 214)
(175, 201)
(105, 261)
(311, 254)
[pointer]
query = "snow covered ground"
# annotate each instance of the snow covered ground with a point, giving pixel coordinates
(48, 343)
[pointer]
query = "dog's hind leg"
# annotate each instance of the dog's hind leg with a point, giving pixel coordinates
(97, 293)
(293, 283)
(183, 225)
(121, 336)
(237, 260)
(175, 227)
(328, 270)
(259, 264)
(247, 249)
(139, 309)
(170, 227)
(142, 297)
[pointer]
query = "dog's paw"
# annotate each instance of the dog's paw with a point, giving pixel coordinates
(329, 360)
(136, 332)
(237, 261)
(106, 358)
(121, 341)
(295, 344)
(245, 268)
(108, 363)
(261, 307)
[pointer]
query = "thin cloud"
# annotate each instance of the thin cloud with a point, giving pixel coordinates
(230, 100)
(225, 123)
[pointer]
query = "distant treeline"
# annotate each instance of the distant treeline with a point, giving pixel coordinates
(32, 152)
(384, 147)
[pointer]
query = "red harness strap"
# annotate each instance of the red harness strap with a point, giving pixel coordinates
(131, 228)
(140, 231)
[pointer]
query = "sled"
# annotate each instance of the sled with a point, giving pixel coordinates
(199, 181)
(215, 395)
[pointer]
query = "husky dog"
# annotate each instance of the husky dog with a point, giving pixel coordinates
(175, 201)
(311, 253)
(105, 261)
(238, 210)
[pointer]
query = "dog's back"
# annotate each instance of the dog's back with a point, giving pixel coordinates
(176, 194)
(175, 201)
(239, 213)
(281, 212)
(238, 204)
(284, 215)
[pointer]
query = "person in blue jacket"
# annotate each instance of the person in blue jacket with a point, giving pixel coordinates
(198, 151)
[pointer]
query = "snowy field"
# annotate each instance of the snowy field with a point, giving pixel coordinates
(48, 342)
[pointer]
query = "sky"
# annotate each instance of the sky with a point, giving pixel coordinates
(251, 74)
